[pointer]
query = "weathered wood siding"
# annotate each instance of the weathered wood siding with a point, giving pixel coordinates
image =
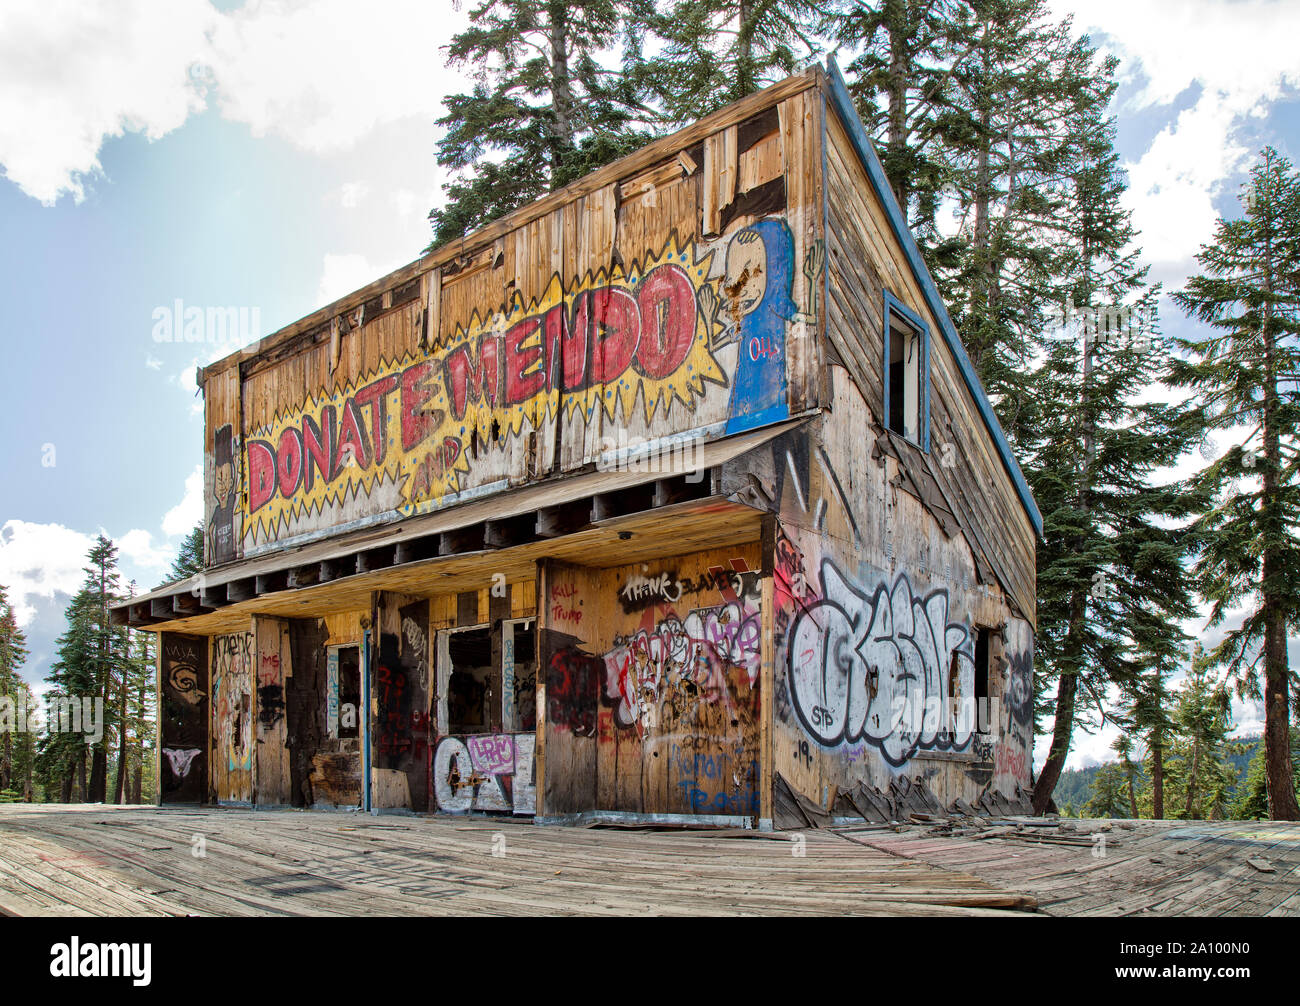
(652, 684)
(274, 785)
(863, 261)
(673, 293)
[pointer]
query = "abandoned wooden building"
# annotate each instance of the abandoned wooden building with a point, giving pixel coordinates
(671, 493)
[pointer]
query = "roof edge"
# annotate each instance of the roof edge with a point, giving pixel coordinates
(629, 164)
(866, 151)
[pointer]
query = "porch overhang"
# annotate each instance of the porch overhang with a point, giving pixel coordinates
(597, 518)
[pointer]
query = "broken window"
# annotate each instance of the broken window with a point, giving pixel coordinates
(469, 683)
(349, 691)
(907, 379)
(984, 722)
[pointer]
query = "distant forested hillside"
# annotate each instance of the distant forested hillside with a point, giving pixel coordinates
(1075, 787)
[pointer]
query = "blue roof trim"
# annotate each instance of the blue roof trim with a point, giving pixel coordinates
(848, 115)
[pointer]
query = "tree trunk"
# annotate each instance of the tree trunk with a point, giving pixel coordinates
(1277, 712)
(1158, 781)
(119, 791)
(1061, 730)
(898, 79)
(745, 82)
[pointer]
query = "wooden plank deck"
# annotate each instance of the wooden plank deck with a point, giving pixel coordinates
(96, 860)
(1149, 868)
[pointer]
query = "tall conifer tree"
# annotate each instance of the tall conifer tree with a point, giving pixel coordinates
(714, 52)
(1245, 374)
(546, 107)
(1110, 566)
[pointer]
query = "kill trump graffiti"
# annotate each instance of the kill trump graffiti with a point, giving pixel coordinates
(606, 342)
(884, 666)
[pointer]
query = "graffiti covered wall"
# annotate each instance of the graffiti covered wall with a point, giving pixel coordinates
(652, 677)
(183, 709)
(659, 347)
(877, 613)
(233, 676)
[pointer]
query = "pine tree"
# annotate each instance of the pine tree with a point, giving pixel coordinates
(1250, 801)
(189, 556)
(61, 756)
(544, 110)
(715, 52)
(1011, 154)
(1123, 746)
(1201, 776)
(1244, 373)
(1107, 796)
(88, 667)
(1111, 579)
(1149, 712)
(902, 81)
(14, 746)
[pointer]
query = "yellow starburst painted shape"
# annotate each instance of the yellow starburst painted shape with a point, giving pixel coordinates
(416, 403)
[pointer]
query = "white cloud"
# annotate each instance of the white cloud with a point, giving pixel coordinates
(39, 560)
(323, 73)
(1241, 54)
(137, 547)
(351, 194)
(341, 274)
(319, 73)
(181, 518)
(73, 74)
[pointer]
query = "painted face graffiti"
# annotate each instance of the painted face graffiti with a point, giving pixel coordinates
(884, 666)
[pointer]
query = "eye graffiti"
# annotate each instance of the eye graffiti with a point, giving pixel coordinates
(183, 679)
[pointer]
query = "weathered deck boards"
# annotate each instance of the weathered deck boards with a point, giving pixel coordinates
(1149, 868)
(94, 860)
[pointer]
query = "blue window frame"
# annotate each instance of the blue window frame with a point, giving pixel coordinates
(906, 370)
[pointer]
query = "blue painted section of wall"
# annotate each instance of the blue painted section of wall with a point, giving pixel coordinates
(758, 393)
(848, 116)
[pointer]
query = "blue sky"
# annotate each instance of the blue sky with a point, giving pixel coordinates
(275, 155)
